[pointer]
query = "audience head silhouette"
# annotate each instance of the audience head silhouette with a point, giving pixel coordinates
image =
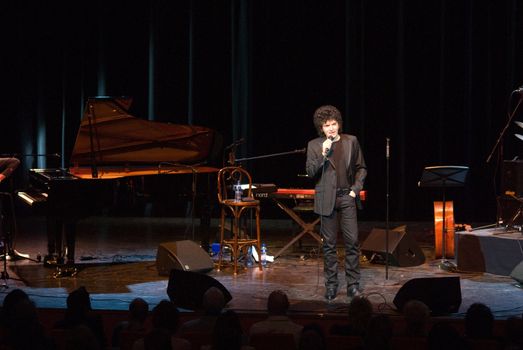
(417, 315)
(360, 313)
(277, 303)
(138, 309)
(79, 300)
(165, 316)
(213, 301)
(11, 300)
(479, 321)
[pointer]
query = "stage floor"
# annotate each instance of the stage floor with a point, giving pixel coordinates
(116, 259)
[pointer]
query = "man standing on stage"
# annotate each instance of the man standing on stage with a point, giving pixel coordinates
(335, 161)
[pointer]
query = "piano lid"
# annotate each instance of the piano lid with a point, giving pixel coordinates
(108, 134)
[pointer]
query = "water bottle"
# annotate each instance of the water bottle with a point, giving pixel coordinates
(238, 192)
(263, 255)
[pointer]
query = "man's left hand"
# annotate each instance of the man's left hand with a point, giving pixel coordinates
(352, 194)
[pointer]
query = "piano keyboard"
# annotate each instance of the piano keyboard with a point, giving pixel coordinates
(33, 198)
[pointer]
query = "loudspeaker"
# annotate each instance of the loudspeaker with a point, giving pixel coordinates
(441, 294)
(187, 288)
(403, 249)
(517, 273)
(182, 255)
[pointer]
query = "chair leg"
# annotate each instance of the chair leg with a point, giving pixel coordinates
(236, 233)
(258, 239)
(220, 253)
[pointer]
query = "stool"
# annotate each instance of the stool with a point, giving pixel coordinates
(236, 209)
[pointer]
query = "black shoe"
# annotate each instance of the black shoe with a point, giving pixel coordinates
(353, 292)
(330, 294)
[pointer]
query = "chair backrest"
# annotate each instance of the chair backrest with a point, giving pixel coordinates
(229, 176)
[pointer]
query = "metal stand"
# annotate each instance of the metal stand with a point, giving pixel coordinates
(443, 177)
(387, 281)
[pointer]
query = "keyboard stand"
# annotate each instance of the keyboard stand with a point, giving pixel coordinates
(308, 228)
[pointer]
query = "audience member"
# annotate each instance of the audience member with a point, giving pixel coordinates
(443, 336)
(80, 313)
(378, 333)
(479, 321)
(22, 329)
(228, 333)
(10, 301)
(417, 316)
(165, 322)
(138, 311)
(277, 321)
(360, 313)
(312, 338)
(212, 303)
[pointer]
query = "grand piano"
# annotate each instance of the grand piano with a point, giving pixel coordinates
(114, 149)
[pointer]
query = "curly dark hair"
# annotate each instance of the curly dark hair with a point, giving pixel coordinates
(326, 113)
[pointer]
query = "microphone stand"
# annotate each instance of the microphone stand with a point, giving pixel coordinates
(387, 281)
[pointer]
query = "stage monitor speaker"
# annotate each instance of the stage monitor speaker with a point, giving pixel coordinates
(517, 273)
(182, 255)
(403, 249)
(441, 294)
(187, 288)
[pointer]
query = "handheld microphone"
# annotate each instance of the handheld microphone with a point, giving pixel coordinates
(328, 149)
(519, 90)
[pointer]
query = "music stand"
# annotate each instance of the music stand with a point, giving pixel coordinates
(443, 177)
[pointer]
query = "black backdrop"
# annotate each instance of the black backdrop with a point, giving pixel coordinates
(434, 76)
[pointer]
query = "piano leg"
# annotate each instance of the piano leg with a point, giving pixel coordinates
(61, 234)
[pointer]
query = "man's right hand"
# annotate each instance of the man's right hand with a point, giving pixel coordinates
(326, 147)
(2, 177)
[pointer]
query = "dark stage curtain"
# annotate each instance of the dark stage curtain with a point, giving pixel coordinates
(433, 76)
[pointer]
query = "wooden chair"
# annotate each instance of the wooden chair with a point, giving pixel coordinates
(236, 210)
